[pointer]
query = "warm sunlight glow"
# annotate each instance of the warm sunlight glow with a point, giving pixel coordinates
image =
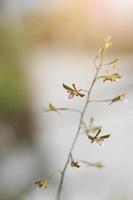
(121, 5)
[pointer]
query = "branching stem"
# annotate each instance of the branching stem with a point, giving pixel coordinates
(58, 197)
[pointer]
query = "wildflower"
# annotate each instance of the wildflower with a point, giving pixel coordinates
(41, 183)
(98, 139)
(72, 91)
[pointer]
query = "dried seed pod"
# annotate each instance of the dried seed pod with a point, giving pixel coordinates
(41, 183)
(75, 164)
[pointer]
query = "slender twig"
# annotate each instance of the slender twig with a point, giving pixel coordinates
(58, 197)
(62, 109)
(100, 101)
(83, 90)
(69, 109)
(94, 61)
(71, 156)
(53, 174)
(97, 164)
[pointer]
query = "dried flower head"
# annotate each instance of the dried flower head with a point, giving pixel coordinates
(107, 42)
(106, 45)
(72, 91)
(110, 77)
(75, 164)
(41, 183)
(50, 108)
(117, 98)
(98, 139)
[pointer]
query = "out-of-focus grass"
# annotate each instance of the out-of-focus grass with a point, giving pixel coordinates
(12, 85)
(14, 97)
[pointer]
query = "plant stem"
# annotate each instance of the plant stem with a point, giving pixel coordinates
(69, 109)
(53, 174)
(101, 101)
(58, 197)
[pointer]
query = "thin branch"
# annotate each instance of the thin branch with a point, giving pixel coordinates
(71, 156)
(58, 197)
(62, 109)
(69, 109)
(83, 90)
(84, 127)
(53, 174)
(100, 101)
(94, 61)
(97, 164)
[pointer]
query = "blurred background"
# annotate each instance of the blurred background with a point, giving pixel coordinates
(44, 43)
